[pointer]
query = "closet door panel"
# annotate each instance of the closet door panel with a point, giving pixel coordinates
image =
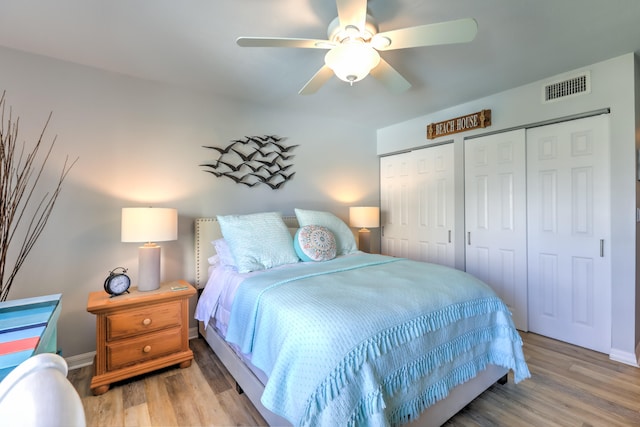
(569, 231)
(395, 203)
(435, 205)
(417, 205)
(495, 217)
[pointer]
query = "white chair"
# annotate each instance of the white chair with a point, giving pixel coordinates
(37, 393)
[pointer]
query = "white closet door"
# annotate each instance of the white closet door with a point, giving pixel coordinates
(417, 205)
(569, 232)
(396, 203)
(435, 205)
(495, 217)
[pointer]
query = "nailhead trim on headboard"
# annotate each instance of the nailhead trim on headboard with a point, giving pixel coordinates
(208, 230)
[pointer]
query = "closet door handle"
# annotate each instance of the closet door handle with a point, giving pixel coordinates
(449, 236)
(469, 238)
(601, 248)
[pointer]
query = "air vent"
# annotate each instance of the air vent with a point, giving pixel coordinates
(573, 86)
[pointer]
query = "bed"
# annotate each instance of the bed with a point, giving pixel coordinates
(402, 364)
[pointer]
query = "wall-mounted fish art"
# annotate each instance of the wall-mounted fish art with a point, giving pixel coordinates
(254, 160)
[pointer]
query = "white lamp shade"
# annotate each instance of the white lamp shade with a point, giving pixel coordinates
(149, 224)
(364, 216)
(352, 62)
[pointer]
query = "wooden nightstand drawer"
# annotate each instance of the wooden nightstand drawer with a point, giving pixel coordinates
(129, 352)
(140, 321)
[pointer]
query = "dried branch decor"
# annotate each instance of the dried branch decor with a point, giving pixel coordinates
(22, 215)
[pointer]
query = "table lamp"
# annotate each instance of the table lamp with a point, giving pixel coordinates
(149, 225)
(364, 217)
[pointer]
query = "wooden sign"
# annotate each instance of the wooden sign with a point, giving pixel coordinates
(481, 119)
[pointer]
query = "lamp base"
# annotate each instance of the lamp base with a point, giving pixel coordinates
(148, 267)
(364, 239)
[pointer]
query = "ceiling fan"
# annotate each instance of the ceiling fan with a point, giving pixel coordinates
(354, 42)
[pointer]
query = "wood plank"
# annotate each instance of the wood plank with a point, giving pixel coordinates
(133, 394)
(218, 377)
(570, 386)
(186, 412)
(240, 409)
(105, 410)
(137, 415)
(159, 402)
(566, 375)
(206, 402)
(81, 379)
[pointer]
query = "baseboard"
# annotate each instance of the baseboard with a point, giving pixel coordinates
(625, 357)
(193, 332)
(86, 359)
(80, 360)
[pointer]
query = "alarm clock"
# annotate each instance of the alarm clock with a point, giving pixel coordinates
(118, 282)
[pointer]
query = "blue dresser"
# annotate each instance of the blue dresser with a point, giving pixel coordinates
(27, 327)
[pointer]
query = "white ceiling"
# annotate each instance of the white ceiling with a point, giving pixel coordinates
(191, 43)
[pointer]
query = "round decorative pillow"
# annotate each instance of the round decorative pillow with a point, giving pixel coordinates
(315, 243)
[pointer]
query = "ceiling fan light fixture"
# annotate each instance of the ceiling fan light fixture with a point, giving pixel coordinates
(380, 42)
(351, 31)
(352, 62)
(354, 41)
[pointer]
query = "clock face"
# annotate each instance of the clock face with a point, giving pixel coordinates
(119, 283)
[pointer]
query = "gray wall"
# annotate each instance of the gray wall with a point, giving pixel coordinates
(139, 143)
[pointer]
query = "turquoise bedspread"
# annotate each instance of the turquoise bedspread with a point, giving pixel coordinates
(368, 339)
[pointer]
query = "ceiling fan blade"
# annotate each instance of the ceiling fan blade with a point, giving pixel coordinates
(283, 42)
(458, 31)
(321, 77)
(390, 77)
(352, 12)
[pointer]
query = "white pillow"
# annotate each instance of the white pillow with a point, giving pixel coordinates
(345, 242)
(214, 260)
(314, 243)
(224, 253)
(258, 241)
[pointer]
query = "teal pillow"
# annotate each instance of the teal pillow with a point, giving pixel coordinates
(314, 243)
(258, 241)
(345, 242)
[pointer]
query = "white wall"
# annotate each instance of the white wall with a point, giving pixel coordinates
(612, 86)
(139, 143)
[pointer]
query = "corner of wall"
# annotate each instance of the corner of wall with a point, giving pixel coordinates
(636, 88)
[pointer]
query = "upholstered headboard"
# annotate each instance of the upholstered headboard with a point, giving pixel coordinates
(208, 230)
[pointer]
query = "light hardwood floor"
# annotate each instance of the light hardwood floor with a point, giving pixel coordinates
(570, 386)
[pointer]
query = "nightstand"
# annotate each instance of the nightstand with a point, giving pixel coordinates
(140, 332)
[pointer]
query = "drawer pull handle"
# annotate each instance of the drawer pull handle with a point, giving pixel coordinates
(146, 322)
(146, 349)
